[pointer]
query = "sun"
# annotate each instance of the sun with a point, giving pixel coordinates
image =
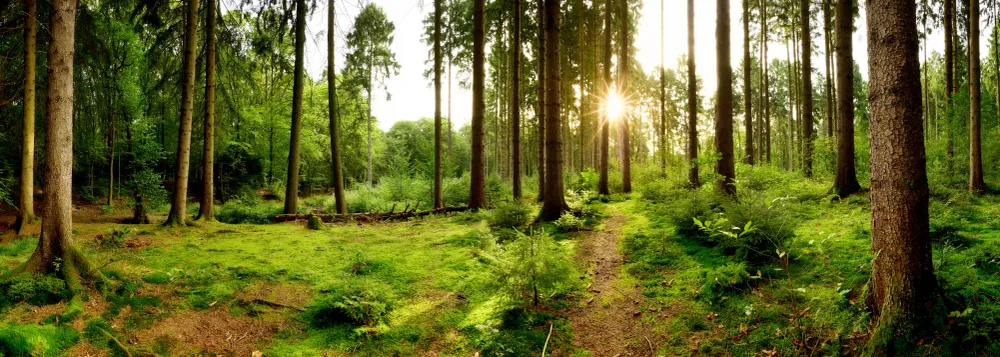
(614, 105)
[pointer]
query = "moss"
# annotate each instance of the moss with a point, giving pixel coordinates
(35, 340)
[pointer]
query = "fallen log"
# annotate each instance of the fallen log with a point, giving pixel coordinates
(367, 217)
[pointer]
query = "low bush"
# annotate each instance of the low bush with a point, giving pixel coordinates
(510, 216)
(529, 267)
(237, 212)
(115, 238)
(361, 301)
(35, 340)
(718, 281)
(569, 222)
(34, 289)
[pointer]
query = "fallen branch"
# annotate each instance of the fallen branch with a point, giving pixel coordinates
(115, 340)
(368, 217)
(277, 305)
(546, 346)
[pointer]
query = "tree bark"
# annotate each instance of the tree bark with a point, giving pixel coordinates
(748, 157)
(976, 183)
(692, 92)
(766, 74)
(292, 184)
(477, 193)
(725, 167)
(846, 181)
(663, 96)
(334, 109)
(827, 30)
(515, 105)
(541, 100)
(902, 287)
(26, 216)
(807, 115)
(949, 80)
(178, 209)
(438, 201)
(602, 182)
(554, 203)
(206, 211)
(623, 123)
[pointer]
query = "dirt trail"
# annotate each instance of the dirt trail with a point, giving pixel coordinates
(609, 321)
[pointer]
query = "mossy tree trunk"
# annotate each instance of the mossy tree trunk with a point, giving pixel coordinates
(178, 208)
(846, 181)
(292, 184)
(902, 290)
(206, 211)
(26, 216)
(725, 167)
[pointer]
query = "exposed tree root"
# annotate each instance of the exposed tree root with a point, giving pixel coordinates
(368, 217)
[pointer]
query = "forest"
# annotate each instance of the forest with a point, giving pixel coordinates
(272, 178)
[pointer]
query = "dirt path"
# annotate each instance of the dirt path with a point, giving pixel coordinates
(609, 322)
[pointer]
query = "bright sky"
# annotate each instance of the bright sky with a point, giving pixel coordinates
(412, 97)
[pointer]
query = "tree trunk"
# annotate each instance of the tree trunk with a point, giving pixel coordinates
(26, 215)
(56, 251)
(206, 211)
(725, 167)
(902, 288)
(623, 123)
(602, 182)
(827, 30)
(949, 80)
(976, 183)
(767, 93)
(807, 115)
(747, 87)
(540, 114)
(178, 209)
(438, 201)
(846, 181)
(477, 193)
(692, 92)
(663, 96)
(790, 147)
(292, 184)
(554, 203)
(334, 108)
(515, 105)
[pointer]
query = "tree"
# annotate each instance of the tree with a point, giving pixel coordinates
(56, 251)
(178, 208)
(540, 113)
(725, 167)
(334, 112)
(902, 286)
(976, 183)
(602, 181)
(292, 183)
(692, 91)
(828, 83)
(663, 96)
(371, 58)
(438, 202)
(949, 78)
(26, 207)
(623, 72)
(846, 181)
(205, 211)
(747, 98)
(807, 90)
(515, 104)
(554, 203)
(477, 193)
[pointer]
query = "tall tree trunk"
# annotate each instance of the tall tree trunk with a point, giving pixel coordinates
(438, 201)
(554, 203)
(692, 92)
(827, 32)
(790, 147)
(26, 215)
(292, 184)
(926, 83)
(56, 251)
(902, 288)
(602, 182)
(976, 184)
(846, 181)
(178, 209)
(515, 105)
(623, 122)
(807, 115)
(477, 193)
(949, 80)
(206, 211)
(725, 167)
(766, 74)
(334, 109)
(540, 114)
(748, 157)
(663, 96)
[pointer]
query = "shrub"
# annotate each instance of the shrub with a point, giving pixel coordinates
(239, 169)
(510, 215)
(362, 199)
(750, 231)
(697, 204)
(115, 238)
(583, 181)
(38, 289)
(529, 267)
(723, 279)
(361, 301)
(236, 212)
(455, 190)
(497, 191)
(569, 222)
(147, 194)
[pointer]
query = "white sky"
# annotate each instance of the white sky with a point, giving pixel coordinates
(413, 98)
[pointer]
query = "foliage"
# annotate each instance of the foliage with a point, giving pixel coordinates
(35, 340)
(529, 267)
(147, 194)
(115, 238)
(37, 289)
(239, 170)
(569, 222)
(362, 301)
(510, 216)
(241, 212)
